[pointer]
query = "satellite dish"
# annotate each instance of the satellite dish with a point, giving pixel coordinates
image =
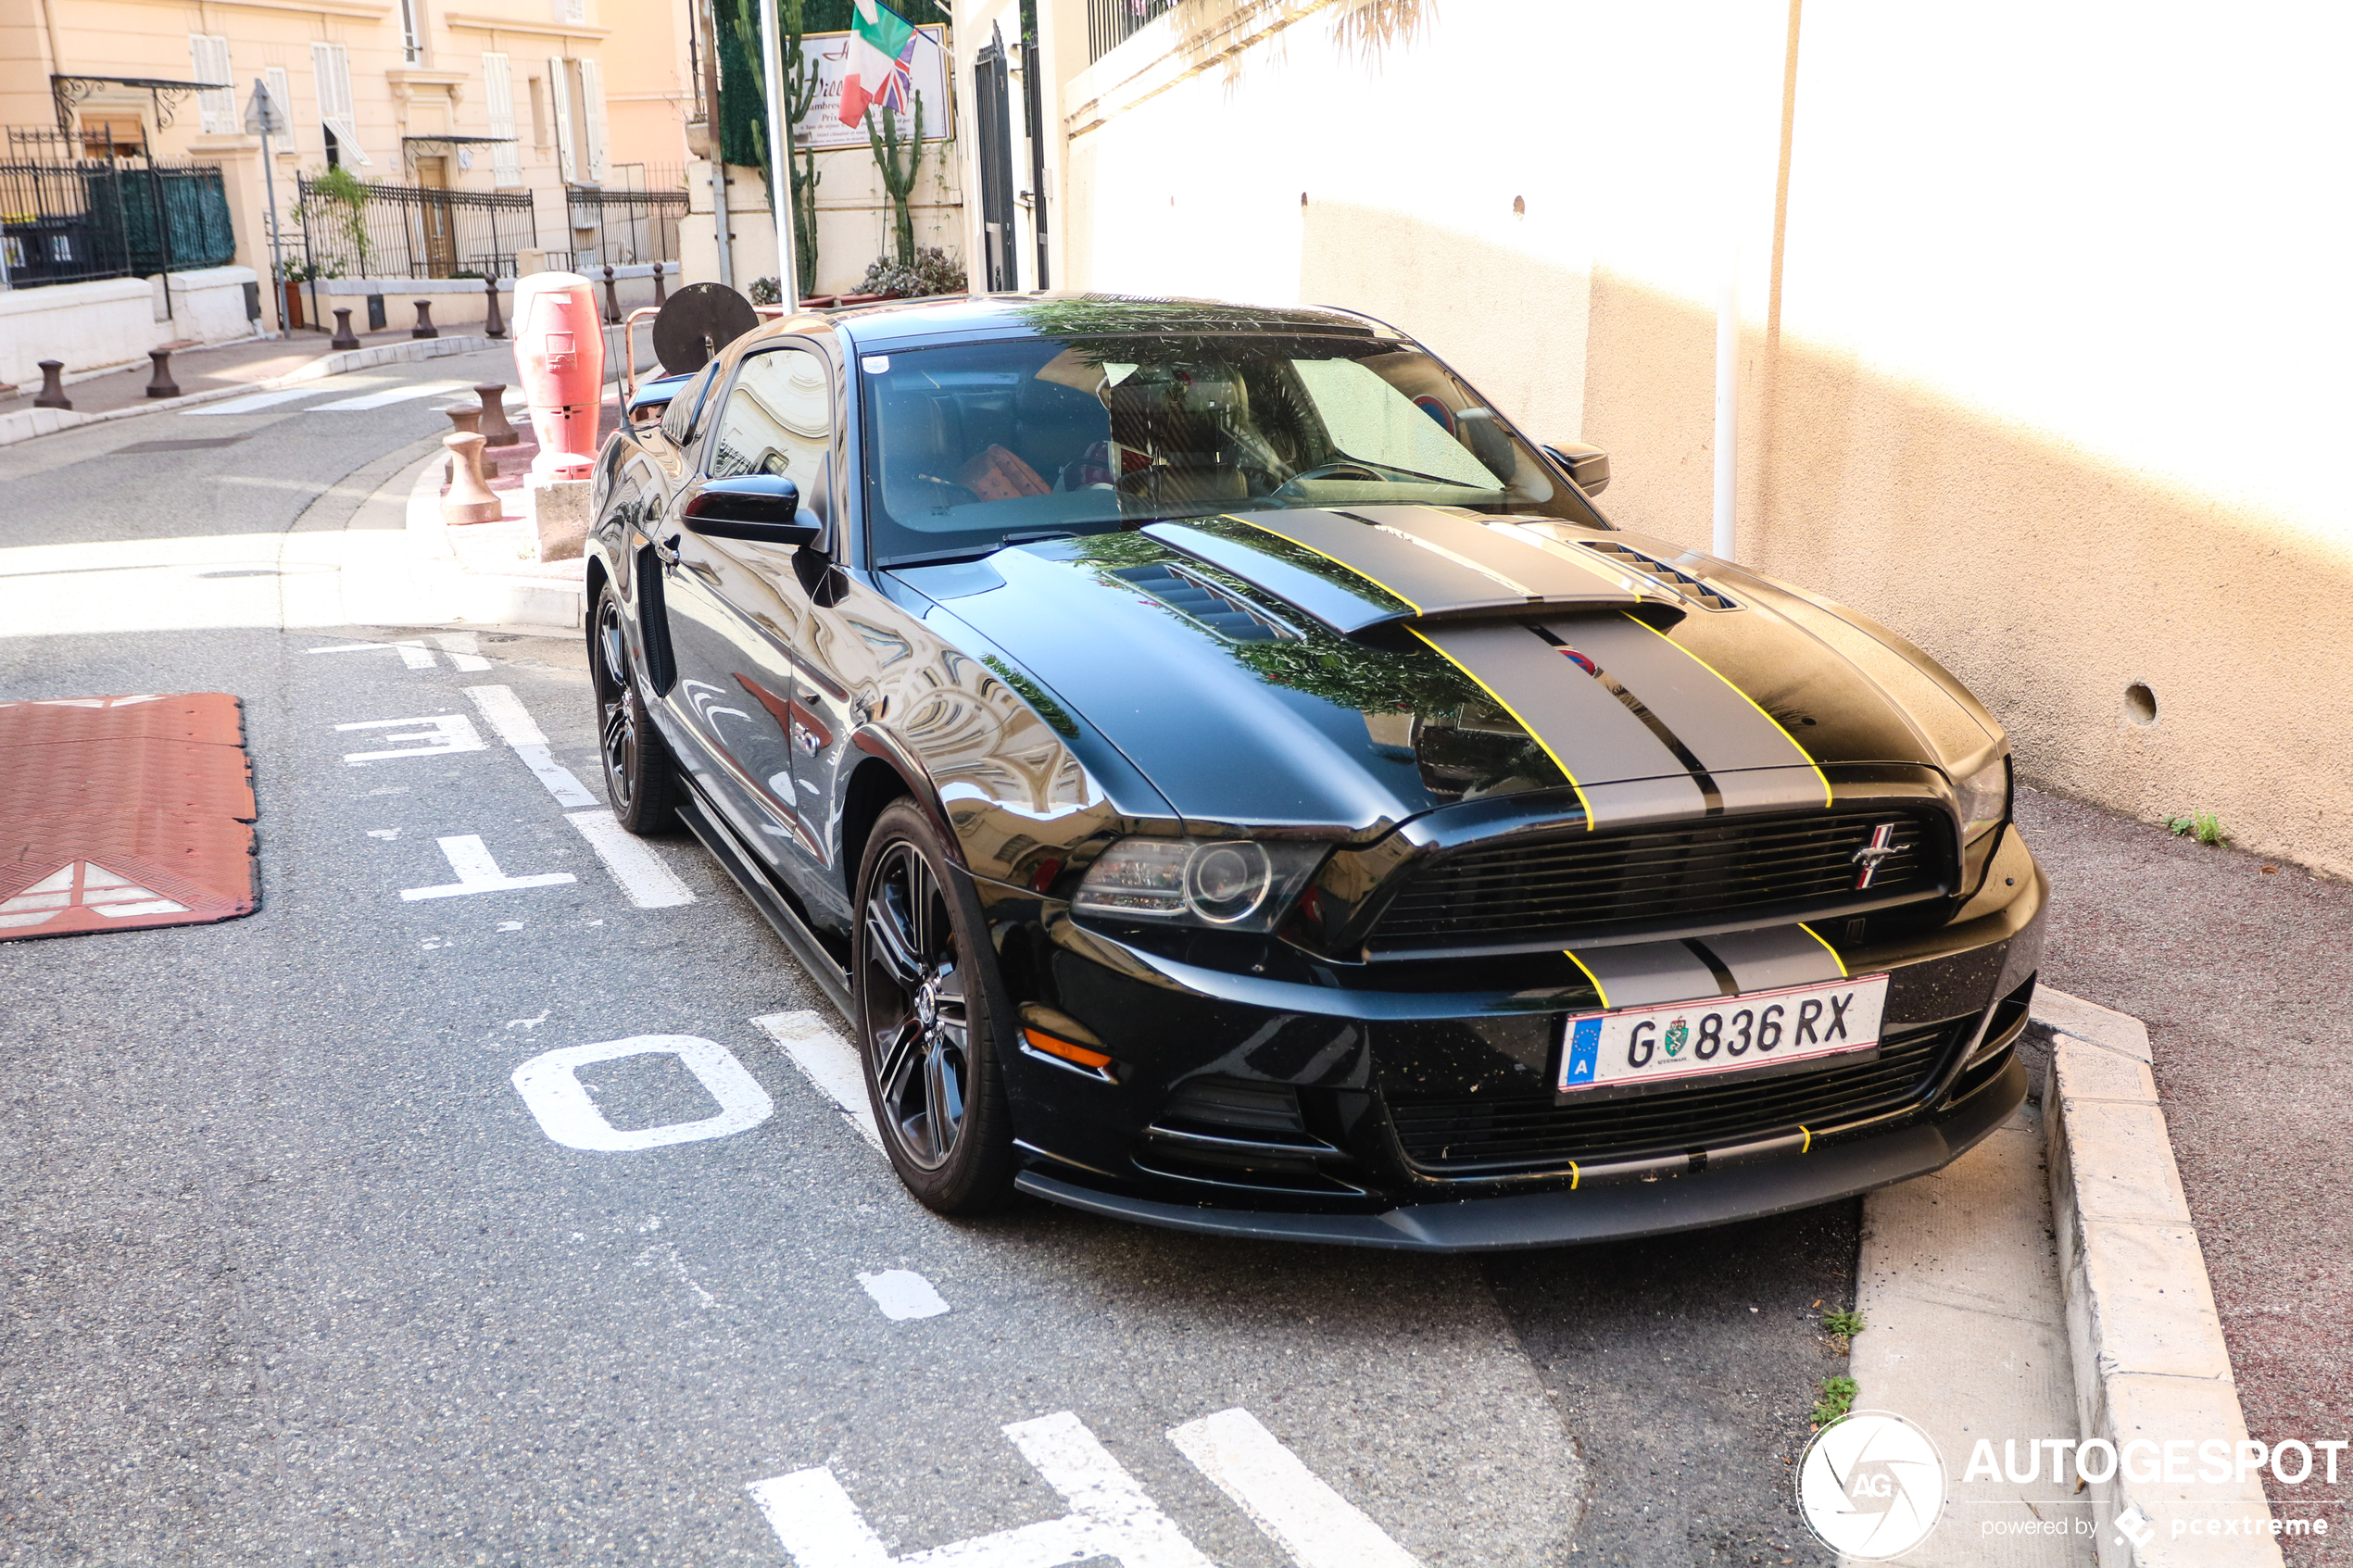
(697, 322)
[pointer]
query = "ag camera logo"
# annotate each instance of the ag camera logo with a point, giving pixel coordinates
(1871, 1486)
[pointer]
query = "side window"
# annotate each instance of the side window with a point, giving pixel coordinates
(678, 419)
(778, 419)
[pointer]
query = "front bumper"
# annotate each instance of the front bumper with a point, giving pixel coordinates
(1188, 1130)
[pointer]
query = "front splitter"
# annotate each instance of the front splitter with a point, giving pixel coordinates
(1604, 1213)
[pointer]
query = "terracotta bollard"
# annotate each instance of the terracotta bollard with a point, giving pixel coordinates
(345, 337)
(467, 420)
(495, 428)
(470, 499)
(424, 327)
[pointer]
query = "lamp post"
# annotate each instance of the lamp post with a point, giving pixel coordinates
(262, 116)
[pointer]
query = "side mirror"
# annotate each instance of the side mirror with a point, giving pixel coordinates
(757, 507)
(1586, 465)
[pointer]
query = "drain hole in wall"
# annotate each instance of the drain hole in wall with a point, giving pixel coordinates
(2140, 703)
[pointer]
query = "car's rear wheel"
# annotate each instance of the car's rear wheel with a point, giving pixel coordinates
(638, 777)
(926, 1026)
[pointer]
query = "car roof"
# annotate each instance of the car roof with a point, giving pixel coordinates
(979, 317)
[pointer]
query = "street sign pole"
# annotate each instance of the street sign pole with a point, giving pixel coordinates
(771, 65)
(262, 116)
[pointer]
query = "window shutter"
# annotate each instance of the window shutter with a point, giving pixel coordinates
(330, 64)
(592, 98)
(560, 89)
(281, 94)
(209, 61)
(498, 89)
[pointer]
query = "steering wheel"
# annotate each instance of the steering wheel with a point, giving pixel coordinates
(1344, 467)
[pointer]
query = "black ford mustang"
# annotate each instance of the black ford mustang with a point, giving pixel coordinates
(1230, 778)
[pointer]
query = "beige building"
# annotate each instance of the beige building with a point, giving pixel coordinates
(2028, 311)
(468, 96)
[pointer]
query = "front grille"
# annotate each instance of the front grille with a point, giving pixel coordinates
(1708, 875)
(1494, 1137)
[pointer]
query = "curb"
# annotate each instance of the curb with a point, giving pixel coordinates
(23, 424)
(523, 601)
(2144, 1338)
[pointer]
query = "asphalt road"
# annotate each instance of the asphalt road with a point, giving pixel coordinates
(294, 1272)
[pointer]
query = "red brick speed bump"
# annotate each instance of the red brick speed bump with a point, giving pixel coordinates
(123, 811)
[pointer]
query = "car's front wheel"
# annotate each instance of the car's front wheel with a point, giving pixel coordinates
(638, 780)
(926, 1027)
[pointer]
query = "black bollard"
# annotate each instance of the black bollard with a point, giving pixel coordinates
(612, 300)
(160, 384)
(52, 386)
(493, 324)
(424, 327)
(345, 337)
(661, 295)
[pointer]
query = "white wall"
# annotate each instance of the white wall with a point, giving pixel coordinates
(115, 320)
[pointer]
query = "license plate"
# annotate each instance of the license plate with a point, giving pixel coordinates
(1732, 1034)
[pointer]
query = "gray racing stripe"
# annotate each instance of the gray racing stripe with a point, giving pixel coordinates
(1585, 729)
(1767, 960)
(1538, 571)
(1753, 759)
(1648, 972)
(1422, 577)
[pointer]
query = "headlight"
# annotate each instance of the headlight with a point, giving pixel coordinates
(1985, 799)
(1232, 884)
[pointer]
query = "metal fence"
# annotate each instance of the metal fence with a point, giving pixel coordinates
(412, 230)
(1111, 23)
(66, 218)
(622, 227)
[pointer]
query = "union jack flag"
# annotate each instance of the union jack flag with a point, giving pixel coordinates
(897, 91)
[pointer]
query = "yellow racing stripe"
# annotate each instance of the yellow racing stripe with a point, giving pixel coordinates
(1845, 974)
(1746, 698)
(1596, 979)
(1807, 1146)
(1532, 734)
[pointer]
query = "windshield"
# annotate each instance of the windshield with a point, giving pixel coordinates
(976, 446)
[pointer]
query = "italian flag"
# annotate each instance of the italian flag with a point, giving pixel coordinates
(879, 37)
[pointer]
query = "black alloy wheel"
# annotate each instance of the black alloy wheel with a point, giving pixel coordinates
(638, 780)
(925, 1021)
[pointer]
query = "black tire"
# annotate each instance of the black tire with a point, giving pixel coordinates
(930, 1027)
(639, 777)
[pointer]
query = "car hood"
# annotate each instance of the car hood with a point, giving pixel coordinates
(1353, 670)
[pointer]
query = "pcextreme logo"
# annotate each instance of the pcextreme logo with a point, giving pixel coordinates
(1871, 1486)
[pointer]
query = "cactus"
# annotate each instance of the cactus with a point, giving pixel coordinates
(899, 180)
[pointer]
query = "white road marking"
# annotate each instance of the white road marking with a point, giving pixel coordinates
(510, 925)
(648, 883)
(550, 1085)
(384, 832)
(413, 654)
(367, 400)
(529, 1022)
(477, 872)
(903, 1293)
(443, 733)
(259, 400)
(1110, 1515)
(1285, 1498)
(504, 712)
(830, 1062)
(463, 649)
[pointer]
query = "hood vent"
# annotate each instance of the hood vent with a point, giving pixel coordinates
(1683, 583)
(1219, 610)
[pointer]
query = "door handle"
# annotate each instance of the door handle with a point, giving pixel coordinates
(665, 550)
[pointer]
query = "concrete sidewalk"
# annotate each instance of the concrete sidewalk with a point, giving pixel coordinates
(2240, 967)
